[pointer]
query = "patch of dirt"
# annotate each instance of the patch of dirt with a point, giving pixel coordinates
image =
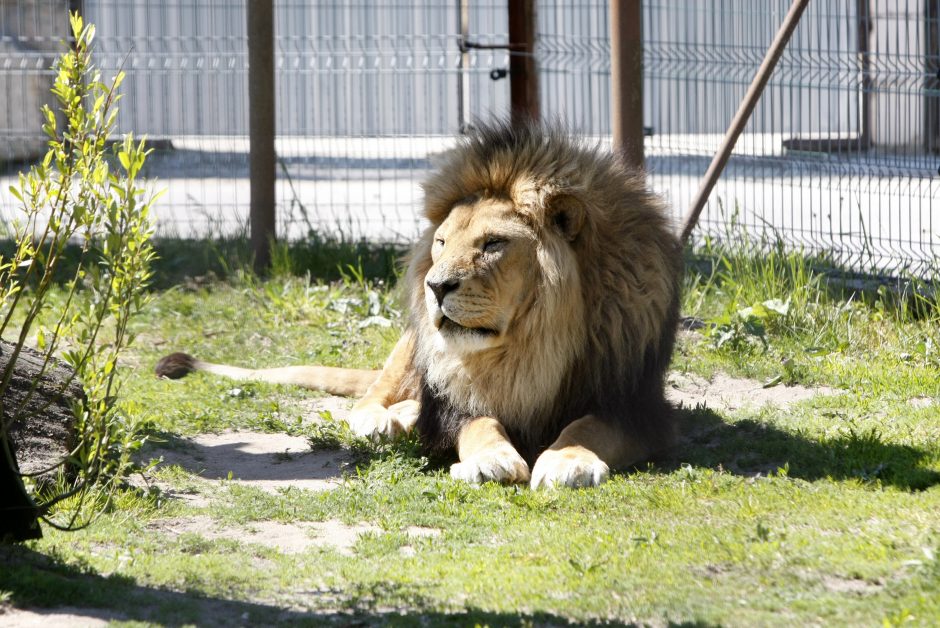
(263, 460)
(65, 616)
(421, 532)
(288, 538)
(266, 461)
(338, 407)
(922, 402)
(837, 584)
(731, 393)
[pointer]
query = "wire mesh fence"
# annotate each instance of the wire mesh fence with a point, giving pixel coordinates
(840, 158)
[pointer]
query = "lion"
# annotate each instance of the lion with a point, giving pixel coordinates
(543, 305)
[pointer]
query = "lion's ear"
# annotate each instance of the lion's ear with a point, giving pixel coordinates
(565, 213)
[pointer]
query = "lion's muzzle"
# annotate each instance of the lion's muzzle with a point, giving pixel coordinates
(440, 289)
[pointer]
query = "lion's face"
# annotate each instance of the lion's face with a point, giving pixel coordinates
(483, 274)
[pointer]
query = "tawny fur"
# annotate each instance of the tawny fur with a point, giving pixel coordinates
(608, 285)
(584, 343)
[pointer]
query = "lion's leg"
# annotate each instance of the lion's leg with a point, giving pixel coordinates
(584, 453)
(486, 454)
(387, 408)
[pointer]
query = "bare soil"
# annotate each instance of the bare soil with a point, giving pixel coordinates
(723, 392)
(288, 538)
(263, 460)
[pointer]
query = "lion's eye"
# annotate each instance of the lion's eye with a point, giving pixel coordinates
(493, 244)
(439, 241)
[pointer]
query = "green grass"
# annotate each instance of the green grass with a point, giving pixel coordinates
(823, 512)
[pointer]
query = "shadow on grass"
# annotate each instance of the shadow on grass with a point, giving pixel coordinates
(261, 457)
(745, 447)
(749, 447)
(45, 585)
(196, 262)
(180, 259)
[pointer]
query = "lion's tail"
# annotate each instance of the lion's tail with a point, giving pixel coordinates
(336, 381)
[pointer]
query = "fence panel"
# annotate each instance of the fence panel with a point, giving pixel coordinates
(839, 159)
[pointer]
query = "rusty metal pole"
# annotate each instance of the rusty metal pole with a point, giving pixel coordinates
(743, 115)
(626, 79)
(261, 129)
(523, 70)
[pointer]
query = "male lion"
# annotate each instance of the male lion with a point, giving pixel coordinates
(543, 307)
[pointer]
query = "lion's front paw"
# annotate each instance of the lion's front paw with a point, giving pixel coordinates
(503, 464)
(571, 466)
(373, 421)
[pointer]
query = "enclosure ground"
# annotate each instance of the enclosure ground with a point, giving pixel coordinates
(805, 487)
(275, 462)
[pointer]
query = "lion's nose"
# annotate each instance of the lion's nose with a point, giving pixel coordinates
(441, 288)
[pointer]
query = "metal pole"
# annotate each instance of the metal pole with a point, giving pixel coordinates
(523, 70)
(743, 115)
(262, 159)
(863, 8)
(626, 79)
(463, 66)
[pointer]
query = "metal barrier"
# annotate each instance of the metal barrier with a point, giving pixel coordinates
(840, 159)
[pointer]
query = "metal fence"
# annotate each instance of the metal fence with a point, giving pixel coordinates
(840, 157)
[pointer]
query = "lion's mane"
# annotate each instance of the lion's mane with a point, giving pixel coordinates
(599, 337)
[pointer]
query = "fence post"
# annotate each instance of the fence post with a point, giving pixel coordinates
(626, 79)
(523, 70)
(261, 129)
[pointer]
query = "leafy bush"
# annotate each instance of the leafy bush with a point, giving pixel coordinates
(82, 193)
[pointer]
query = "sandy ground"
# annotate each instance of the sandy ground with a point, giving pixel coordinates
(724, 393)
(64, 616)
(266, 461)
(274, 462)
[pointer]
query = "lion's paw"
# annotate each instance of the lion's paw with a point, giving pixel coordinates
(498, 465)
(571, 466)
(374, 421)
(404, 414)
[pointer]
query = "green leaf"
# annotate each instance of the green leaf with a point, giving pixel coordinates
(773, 381)
(75, 20)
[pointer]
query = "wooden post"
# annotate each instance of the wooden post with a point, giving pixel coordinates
(626, 79)
(523, 70)
(261, 131)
